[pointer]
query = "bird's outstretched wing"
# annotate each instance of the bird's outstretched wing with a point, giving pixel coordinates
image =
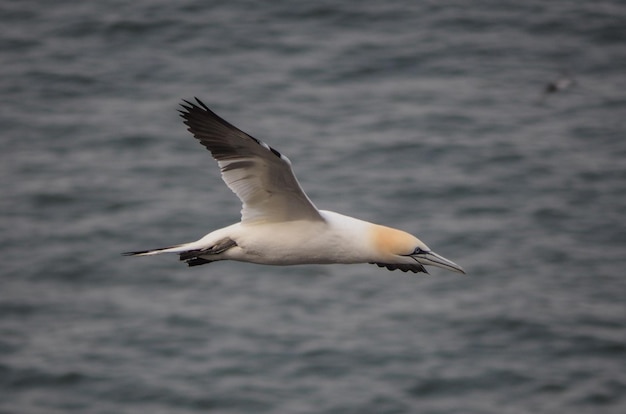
(259, 175)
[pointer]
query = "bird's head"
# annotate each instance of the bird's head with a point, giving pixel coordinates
(403, 251)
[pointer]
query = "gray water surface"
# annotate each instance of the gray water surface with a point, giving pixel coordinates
(426, 116)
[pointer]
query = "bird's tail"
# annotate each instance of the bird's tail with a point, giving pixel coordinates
(194, 253)
(172, 249)
(191, 257)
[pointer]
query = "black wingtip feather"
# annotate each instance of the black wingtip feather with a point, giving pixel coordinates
(191, 106)
(415, 268)
(198, 261)
(206, 108)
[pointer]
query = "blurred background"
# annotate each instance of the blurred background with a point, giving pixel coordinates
(424, 115)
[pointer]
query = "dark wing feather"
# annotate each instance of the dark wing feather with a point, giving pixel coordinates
(261, 176)
(415, 268)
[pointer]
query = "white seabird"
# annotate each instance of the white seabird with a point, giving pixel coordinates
(279, 224)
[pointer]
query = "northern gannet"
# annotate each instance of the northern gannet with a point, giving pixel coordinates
(279, 223)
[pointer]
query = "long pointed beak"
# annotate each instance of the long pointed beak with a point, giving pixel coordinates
(433, 259)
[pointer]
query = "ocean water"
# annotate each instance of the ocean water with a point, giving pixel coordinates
(427, 116)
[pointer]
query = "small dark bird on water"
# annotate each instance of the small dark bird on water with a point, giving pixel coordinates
(562, 83)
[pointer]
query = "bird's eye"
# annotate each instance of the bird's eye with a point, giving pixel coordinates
(418, 251)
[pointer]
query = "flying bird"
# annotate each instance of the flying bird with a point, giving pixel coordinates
(279, 224)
